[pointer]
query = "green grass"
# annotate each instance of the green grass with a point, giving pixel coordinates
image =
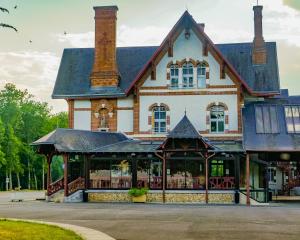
(18, 230)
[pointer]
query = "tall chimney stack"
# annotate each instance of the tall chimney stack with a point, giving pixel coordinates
(105, 72)
(259, 54)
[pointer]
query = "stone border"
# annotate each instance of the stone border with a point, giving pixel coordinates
(85, 233)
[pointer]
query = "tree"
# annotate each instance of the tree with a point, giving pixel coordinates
(4, 24)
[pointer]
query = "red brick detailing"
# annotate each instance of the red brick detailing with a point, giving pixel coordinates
(136, 114)
(207, 75)
(124, 108)
(82, 109)
(226, 119)
(149, 120)
(168, 76)
(71, 113)
(221, 86)
(105, 71)
(152, 106)
(215, 104)
(170, 64)
(165, 106)
(187, 93)
(168, 120)
(207, 119)
(154, 88)
(104, 104)
(259, 55)
(204, 132)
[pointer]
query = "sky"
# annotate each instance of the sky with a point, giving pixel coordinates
(34, 65)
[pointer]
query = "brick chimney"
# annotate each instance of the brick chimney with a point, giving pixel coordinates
(105, 72)
(259, 54)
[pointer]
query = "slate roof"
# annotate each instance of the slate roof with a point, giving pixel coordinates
(71, 140)
(276, 142)
(76, 65)
(184, 129)
(130, 146)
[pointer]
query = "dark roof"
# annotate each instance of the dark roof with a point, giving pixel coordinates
(76, 65)
(227, 146)
(130, 146)
(71, 140)
(184, 129)
(270, 142)
(73, 79)
(260, 78)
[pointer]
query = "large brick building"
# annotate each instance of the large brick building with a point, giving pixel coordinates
(204, 119)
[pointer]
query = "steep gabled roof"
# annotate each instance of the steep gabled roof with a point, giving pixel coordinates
(73, 79)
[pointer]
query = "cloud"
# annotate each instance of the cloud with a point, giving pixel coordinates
(76, 40)
(292, 3)
(32, 70)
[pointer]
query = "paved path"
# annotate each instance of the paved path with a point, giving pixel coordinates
(168, 222)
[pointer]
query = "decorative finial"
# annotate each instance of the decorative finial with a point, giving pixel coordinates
(184, 111)
(186, 7)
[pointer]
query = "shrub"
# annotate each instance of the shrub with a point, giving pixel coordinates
(136, 192)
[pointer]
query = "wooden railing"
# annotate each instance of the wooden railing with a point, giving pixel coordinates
(76, 185)
(221, 182)
(56, 186)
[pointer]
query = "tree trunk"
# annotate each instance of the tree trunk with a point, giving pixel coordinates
(43, 175)
(35, 180)
(6, 182)
(18, 179)
(10, 180)
(29, 177)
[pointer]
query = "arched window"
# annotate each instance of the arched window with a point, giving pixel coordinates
(159, 119)
(174, 75)
(201, 75)
(187, 75)
(217, 119)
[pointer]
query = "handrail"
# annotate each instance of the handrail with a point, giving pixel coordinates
(56, 186)
(77, 184)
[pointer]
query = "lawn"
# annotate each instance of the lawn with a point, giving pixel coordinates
(18, 230)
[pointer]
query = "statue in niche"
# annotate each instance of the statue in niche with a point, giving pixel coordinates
(104, 118)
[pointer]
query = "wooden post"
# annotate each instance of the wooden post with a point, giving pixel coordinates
(65, 156)
(248, 178)
(49, 157)
(164, 174)
(86, 171)
(237, 172)
(206, 179)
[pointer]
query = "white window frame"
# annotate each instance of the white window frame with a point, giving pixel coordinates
(174, 76)
(188, 77)
(218, 120)
(201, 76)
(159, 120)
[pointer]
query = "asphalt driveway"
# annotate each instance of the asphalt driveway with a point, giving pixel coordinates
(157, 221)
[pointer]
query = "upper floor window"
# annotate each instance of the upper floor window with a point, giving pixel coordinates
(292, 118)
(266, 119)
(159, 117)
(174, 73)
(201, 75)
(187, 75)
(217, 119)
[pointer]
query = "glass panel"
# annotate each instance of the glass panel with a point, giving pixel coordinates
(274, 120)
(143, 173)
(175, 174)
(266, 118)
(259, 120)
(195, 175)
(296, 118)
(120, 174)
(213, 126)
(100, 174)
(221, 126)
(289, 119)
(156, 174)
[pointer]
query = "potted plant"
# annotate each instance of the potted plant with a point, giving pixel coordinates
(138, 194)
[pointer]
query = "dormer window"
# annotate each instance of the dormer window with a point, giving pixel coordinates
(187, 75)
(174, 74)
(201, 75)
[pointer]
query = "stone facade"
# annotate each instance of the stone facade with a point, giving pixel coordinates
(157, 197)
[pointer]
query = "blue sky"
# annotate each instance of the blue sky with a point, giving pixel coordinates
(140, 22)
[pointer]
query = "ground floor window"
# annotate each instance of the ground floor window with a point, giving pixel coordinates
(114, 174)
(221, 174)
(185, 174)
(149, 174)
